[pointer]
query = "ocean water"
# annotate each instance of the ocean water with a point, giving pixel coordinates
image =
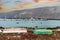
(29, 23)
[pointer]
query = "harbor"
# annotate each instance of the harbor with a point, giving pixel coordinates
(29, 20)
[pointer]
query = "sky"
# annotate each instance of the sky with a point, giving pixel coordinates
(9, 5)
(13, 2)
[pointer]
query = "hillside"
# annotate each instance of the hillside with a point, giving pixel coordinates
(43, 12)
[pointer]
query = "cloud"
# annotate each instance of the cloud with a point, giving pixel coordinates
(26, 4)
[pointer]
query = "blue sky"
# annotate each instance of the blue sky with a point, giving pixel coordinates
(9, 4)
(12, 3)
